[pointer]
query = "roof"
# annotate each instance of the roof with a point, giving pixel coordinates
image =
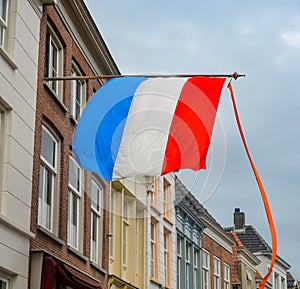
(185, 197)
(251, 239)
(255, 243)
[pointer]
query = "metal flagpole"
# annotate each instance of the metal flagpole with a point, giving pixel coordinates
(234, 75)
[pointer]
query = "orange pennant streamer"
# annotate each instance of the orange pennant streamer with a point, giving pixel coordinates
(262, 191)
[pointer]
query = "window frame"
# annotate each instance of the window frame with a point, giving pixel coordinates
(167, 256)
(6, 280)
(74, 194)
(166, 198)
(188, 248)
(154, 249)
(195, 267)
(46, 167)
(217, 273)
(205, 269)
(112, 223)
(77, 87)
(97, 214)
(2, 141)
(226, 268)
(125, 228)
(154, 195)
(4, 24)
(52, 38)
(179, 259)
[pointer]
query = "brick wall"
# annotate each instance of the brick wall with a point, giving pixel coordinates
(50, 109)
(215, 249)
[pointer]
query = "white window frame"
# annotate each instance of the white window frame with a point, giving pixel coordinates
(153, 248)
(196, 256)
(282, 283)
(188, 248)
(276, 281)
(77, 94)
(179, 256)
(4, 22)
(137, 232)
(205, 268)
(96, 215)
(226, 276)
(112, 223)
(75, 196)
(2, 142)
(217, 273)
(167, 248)
(125, 232)
(45, 210)
(166, 197)
(54, 44)
(6, 281)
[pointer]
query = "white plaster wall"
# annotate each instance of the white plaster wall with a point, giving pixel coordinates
(18, 82)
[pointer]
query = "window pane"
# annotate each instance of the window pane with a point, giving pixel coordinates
(74, 175)
(3, 9)
(3, 282)
(95, 196)
(48, 148)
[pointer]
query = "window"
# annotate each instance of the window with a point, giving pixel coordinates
(196, 257)
(167, 236)
(3, 20)
(276, 281)
(153, 240)
(2, 140)
(226, 276)
(96, 224)
(187, 264)
(77, 94)
(75, 185)
(249, 278)
(112, 223)
(205, 269)
(216, 273)
(4, 283)
(48, 174)
(282, 283)
(166, 198)
(179, 254)
(125, 230)
(53, 60)
(154, 195)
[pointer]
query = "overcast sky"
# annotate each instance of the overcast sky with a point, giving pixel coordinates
(260, 39)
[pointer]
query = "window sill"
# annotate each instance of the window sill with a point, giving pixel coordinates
(77, 253)
(58, 100)
(96, 266)
(51, 235)
(168, 220)
(156, 281)
(8, 59)
(154, 208)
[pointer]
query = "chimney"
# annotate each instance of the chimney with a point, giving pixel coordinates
(238, 219)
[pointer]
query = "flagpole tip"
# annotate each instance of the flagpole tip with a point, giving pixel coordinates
(236, 75)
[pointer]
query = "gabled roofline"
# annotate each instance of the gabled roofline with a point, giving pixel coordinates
(87, 28)
(278, 258)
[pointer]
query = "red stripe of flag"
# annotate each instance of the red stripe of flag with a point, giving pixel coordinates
(192, 124)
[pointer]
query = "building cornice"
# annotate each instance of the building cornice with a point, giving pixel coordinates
(85, 25)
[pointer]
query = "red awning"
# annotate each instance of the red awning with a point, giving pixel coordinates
(54, 269)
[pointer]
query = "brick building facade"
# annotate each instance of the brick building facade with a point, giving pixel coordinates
(69, 217)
